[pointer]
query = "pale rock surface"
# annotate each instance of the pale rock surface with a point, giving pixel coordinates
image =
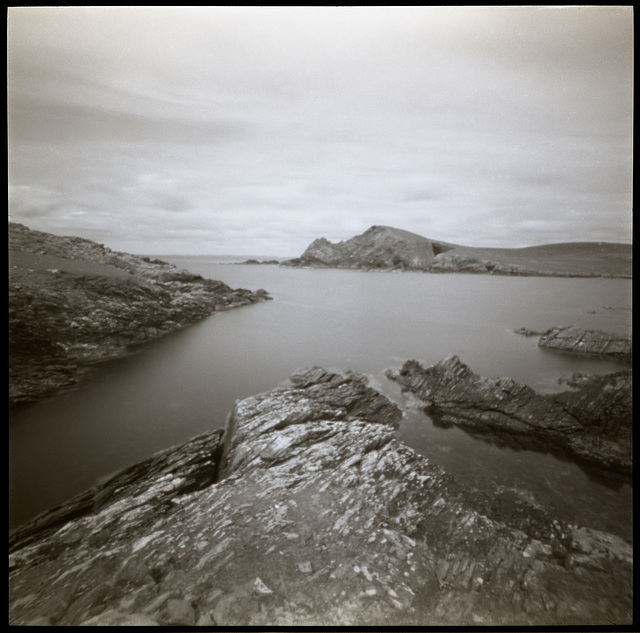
(309, 511)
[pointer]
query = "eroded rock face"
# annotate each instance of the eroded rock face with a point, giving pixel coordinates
(73, 302)
(317, 515)
(592, 423)
(578, 340)
(389, 248)
(379, 247)
(461, 263)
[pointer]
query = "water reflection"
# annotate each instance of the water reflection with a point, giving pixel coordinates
(187, 383)
(514, 442)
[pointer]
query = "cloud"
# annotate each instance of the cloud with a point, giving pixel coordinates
(173, 129)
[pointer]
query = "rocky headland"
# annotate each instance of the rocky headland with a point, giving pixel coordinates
(389, 248)
(592, 422)
(380, 247)
(580, 341)
(73, 302)
(307, 510)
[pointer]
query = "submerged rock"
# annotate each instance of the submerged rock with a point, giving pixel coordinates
(593, 423)
(309, 511)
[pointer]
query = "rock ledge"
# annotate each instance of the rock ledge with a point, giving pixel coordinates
(592, 423)
(309, 511)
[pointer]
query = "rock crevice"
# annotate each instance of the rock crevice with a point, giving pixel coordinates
(592, 423)
(389, 248)
(73, 303)
(347, 526)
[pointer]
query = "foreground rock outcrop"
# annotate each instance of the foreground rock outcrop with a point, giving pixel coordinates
(592, 423)
(73, 302)
(309, 511)
(389, 248)
(580, 341)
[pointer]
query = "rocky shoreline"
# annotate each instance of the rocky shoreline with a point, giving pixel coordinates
(309, 511)
(580, 341)
(592, 423)
(385, 248)
(73, 302)
(306, 509)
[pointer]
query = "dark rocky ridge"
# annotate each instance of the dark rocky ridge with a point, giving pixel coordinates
(316, 515)
(73, 302)
(380, 247)
(388, 248)
(580, 341)
(592, 423)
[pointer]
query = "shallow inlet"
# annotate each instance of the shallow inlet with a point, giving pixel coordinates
(186, 383)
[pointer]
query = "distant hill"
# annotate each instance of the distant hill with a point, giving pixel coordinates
(388, 248)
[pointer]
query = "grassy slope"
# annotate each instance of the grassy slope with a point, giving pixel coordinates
(585, 258)
(22, 261)
(577, 258)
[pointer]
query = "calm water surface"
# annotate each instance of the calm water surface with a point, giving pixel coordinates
(186, 383)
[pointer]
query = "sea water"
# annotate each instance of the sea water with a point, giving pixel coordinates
(187, 382)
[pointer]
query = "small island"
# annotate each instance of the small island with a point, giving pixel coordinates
(389, 248)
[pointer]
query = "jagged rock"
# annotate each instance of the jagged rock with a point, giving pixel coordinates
(592, 423)
(462, 263)
(158, 482)
(73, 302)
(578, 340)
(380, 247)
(388, 248)
(317, 515)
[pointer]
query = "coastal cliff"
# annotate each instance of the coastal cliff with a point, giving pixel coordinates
(389, 248)
(380, 247)
(309, 511)
(592, 423)
(73, 302)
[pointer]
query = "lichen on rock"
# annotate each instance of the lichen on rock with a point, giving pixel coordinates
(310, 511)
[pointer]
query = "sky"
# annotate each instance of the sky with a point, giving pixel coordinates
(255, 130)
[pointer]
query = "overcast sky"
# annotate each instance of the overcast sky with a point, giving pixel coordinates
(256, 130)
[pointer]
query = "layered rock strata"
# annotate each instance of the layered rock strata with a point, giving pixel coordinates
(592, 423)
(580, 341)
(310, 512)
(577, 340)
(464, 263)
(379, 247)
(73, 302)
(389, 248)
